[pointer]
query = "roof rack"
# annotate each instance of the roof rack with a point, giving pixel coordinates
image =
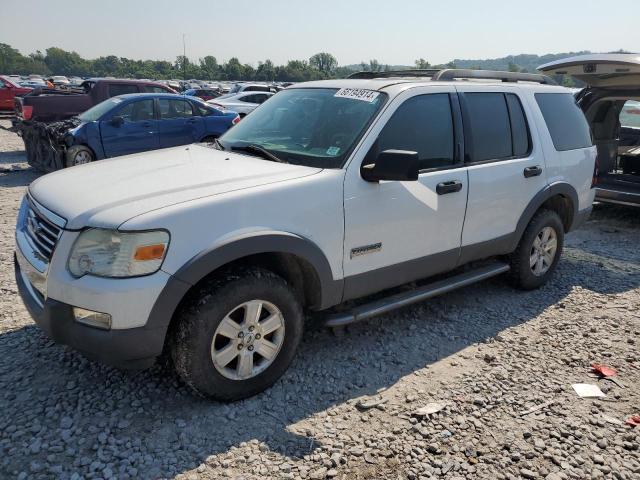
(456, 73)
(429, 72)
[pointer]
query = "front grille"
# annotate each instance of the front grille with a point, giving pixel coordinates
(43, 234)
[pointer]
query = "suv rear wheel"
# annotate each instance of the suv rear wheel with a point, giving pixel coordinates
(539, 250)
(237, 335)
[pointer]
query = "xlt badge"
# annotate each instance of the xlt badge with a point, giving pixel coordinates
(375, 247)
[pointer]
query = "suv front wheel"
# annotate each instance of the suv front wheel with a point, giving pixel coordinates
(539, 250)
(237, 334)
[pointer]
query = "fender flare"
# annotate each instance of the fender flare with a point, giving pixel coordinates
(551, 190)
(207, 261)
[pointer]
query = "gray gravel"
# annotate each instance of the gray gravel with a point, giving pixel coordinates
(347, 407)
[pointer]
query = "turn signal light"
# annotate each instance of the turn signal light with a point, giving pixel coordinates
(149, 252)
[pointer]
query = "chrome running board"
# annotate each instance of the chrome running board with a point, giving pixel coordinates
(399, 300)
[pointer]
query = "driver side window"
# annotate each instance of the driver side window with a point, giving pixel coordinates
(422, 124)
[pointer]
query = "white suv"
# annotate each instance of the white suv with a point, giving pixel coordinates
(330, 191)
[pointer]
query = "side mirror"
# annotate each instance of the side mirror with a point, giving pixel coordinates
(399, 165)
(117, 121)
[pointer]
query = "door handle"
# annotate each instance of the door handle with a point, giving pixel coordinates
(448, 187)
(191, 120)
(532, 171)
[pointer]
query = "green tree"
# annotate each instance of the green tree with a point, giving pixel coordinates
(422, 64)
(233, 69)
(513, 67)
(209, 67)
(375, 66)
(266, 71)
(182, 65)
(61, 62)
(325, 62)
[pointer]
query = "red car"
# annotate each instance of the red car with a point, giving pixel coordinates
(8, 91)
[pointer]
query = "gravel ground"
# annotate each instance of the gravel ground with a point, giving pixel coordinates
(348, 407)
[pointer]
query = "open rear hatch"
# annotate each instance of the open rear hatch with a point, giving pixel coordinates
(604, 70)
(611, 103)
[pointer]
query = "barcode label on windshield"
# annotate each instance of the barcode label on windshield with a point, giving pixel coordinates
(357, 94)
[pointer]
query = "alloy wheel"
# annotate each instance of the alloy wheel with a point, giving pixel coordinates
(248, 340)
(543, 251)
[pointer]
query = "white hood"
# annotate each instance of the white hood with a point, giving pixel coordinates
(109, 192)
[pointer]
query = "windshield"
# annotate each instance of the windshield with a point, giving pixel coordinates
(97, 111)
(316, 127)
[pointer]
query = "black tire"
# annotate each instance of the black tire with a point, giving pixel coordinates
(77, 152)
(522, 274)
(191, 340)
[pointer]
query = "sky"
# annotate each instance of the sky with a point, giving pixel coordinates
(394, 32)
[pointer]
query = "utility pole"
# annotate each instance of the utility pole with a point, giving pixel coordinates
(184, 59)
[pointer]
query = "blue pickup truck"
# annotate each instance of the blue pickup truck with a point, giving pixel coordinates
(143, 121)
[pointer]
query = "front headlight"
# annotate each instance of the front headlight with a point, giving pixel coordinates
(110, 253)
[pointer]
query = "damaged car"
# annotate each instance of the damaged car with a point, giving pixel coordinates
(141, 122)
(611, 103)
(44, 114)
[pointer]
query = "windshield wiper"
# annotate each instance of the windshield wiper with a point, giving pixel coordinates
(256, 149)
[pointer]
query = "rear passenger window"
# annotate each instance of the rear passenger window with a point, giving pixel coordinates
(489, 130)
(495, 127)
(170, 108)
(422, 124)
(566, 123)
(121, 89)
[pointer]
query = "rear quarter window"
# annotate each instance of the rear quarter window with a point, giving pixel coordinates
(567, 124)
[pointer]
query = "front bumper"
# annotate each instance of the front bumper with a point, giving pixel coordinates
(132, 348)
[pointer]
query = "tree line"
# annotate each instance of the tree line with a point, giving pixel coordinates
(56, 61)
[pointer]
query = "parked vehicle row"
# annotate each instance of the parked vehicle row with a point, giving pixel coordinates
(328, 192)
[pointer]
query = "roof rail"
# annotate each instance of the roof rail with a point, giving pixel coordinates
(454, 73)
(429, 72)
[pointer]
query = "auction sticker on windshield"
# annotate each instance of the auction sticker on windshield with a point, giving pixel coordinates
(357, 94)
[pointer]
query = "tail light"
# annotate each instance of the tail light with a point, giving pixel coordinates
(596, 173)
(27, 112)
(236, 120)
